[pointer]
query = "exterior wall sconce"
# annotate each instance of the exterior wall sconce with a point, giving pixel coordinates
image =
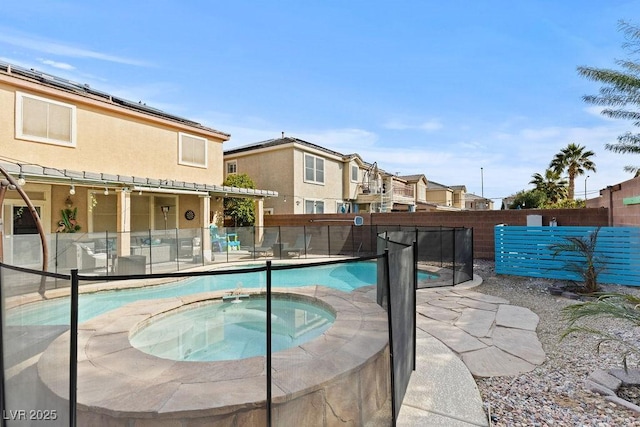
(297, 202)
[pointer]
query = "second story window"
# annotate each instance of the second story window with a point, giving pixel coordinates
(43, 120)
(232, 167)
(354, 173)
(193, 150)
(313, 169)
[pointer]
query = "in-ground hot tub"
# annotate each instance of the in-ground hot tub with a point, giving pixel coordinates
(233, 328)
(340, 376)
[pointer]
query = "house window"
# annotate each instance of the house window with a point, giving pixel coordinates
(232, 167)
(354, 173)
(313, 169)
(313, 206)
(43, 120)
(193, 150)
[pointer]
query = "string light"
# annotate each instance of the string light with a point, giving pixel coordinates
(106, 191)
(21, 180)
(72, 190)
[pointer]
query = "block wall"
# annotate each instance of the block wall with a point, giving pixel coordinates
(482, 222)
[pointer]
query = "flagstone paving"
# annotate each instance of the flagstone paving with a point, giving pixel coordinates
(491, 336)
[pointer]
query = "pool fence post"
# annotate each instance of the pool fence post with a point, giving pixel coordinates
(453, 255)
(3, 404)
(73, 349)
(268, 329)
(177, 251)
(387, 280)
(415, 297)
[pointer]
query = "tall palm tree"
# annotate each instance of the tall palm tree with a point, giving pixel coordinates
(551, 184)
(575, 160)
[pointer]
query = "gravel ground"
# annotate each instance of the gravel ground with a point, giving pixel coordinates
(554, 393)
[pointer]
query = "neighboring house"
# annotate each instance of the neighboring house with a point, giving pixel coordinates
(419, 185)
(474, 202)
(124, 166)
(507, 201)
(459, 196)
(313, 179)
(440, 195)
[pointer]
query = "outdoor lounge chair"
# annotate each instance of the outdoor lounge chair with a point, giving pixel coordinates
(301, 246)
(266, 246)
(89, 260)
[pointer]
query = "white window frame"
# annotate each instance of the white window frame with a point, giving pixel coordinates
(20, 96)
(316, 202)
(187, 163)
(235, 167)
(356, 169)
(315, 169)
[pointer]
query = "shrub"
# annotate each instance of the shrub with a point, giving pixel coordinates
(613, 305)
(588, 268)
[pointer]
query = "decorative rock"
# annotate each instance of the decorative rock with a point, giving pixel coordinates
(622, 402)
(630, 377)
(603, 378)
(598, 388)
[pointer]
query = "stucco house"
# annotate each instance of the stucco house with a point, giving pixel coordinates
(120, 165)
(312, 179)
(473, 202)
(445, 196)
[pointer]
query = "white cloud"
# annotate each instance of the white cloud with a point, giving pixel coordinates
(56, 64)
(428, 126)
(60, 49)
(508, 157)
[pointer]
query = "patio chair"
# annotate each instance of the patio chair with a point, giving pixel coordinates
(233, 244)
(218, 241)
(300, 246)
(89, 260)
(266, 246)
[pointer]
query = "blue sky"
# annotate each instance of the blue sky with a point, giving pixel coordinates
(439, 88)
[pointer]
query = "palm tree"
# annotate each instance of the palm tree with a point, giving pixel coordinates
(619, 93)
(575, 160)
(551, 184)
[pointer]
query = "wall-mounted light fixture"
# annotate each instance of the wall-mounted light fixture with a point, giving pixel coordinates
(72, 189)
(21, 180)
(297, 202)
(106, 191)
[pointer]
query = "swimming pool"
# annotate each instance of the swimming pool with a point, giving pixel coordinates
(344, 277)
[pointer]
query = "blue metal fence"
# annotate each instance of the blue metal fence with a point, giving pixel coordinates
(525, 251)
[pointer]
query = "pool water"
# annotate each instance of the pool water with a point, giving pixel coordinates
(345, 277)
(229, 331)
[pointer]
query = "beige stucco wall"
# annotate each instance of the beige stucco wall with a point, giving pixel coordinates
(110, 139)
(272, 169)
(441, 197)
(281, 169)
(350, 187)
(330, 192)
(421, 191)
